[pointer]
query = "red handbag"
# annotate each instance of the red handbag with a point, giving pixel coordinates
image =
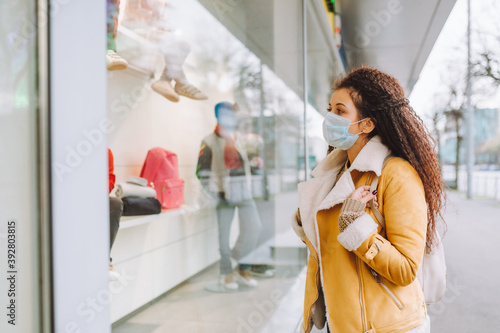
(172, 193)
(162, 172)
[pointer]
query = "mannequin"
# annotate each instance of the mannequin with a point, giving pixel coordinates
(148, 19)
(224, 171)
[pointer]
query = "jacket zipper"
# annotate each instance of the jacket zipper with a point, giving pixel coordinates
(314, 302)
(360, 295)
(389, 292)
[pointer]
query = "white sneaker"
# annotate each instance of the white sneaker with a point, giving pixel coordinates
(228, 281)
(165, 89)
(115, 62)
(113, 275)
(245, 277)
(189, 91)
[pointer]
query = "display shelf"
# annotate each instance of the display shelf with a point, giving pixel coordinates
(132, 221)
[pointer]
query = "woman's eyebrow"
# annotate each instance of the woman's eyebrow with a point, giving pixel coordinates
(340, 104)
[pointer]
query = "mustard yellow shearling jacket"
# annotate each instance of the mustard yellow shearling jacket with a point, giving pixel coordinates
(365, 278)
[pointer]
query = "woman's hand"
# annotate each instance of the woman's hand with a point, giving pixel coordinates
(363, 194)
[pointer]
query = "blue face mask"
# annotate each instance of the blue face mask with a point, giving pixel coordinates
(336, 131)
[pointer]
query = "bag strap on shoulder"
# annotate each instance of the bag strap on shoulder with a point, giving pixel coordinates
(378, 215)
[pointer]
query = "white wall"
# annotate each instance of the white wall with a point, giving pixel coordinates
(80, 204)
(154, 257)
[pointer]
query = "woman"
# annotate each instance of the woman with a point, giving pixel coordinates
(362, 278)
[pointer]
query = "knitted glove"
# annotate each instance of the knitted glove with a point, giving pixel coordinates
(351, 210)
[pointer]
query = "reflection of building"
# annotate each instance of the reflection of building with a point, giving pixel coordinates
(247, 55)
(281, 150)
(486, 127)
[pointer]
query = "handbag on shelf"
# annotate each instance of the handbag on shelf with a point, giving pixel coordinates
(172, 193)
(133, 206)
(432, 271)
(162, 172)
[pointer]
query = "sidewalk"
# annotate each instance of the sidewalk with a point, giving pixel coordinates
(472, 301)
(274, 306)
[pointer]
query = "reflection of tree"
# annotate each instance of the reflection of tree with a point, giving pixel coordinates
(489, 66)
(449, 96)
(268, 102)
(249, 75)
(486, 63)
(436, 119)
(452, 112)
(250, 84)
(455, 118)
(214, 55)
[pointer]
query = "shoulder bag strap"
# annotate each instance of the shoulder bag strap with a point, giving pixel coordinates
(378, 215)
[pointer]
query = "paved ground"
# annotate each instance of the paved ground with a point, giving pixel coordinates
(274, 306)
(471, 304)
(472, 248)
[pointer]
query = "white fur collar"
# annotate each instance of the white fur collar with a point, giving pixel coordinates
(370, 158)
(319, 194)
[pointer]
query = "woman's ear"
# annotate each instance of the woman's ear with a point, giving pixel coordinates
(368, 126)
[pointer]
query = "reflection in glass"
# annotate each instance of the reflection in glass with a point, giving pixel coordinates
(224, 171)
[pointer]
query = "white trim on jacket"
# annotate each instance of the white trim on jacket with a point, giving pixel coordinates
(319, 194)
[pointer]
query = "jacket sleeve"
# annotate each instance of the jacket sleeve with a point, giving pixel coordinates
(204, 166)
(398, 256)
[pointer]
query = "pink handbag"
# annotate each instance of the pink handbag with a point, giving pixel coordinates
(162, 172)
(172, 193)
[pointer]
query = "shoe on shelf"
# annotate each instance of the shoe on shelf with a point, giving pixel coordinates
(115, 62)
(190, 91)
(245, 277)
(113, 275)
(165, 89)
(228, 281)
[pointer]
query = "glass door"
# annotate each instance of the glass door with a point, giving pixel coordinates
(20, 165)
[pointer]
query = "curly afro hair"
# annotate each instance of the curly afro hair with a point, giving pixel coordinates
(380, 97)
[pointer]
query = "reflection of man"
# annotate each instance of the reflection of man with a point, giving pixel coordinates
(224, 171)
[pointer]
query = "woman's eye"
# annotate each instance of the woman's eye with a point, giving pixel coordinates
(339, 111)
(329, 110)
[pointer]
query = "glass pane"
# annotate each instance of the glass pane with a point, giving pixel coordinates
(18, 167)
(205, 103)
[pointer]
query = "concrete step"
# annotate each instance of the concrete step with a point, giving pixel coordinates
(285, 249)
(287, 246)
